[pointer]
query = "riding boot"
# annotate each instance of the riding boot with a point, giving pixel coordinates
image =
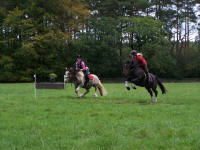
(86, 81)
(86, 84)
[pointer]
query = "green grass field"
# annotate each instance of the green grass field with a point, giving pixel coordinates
(123, 120)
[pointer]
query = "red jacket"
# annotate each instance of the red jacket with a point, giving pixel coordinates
(142, 62)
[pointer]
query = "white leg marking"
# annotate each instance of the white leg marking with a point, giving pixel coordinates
(126, 83)
(76, 90)
(152, 99)
(133, 85)
(95, 92)
(155, 99)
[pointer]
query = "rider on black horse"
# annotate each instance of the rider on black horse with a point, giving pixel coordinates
(136, 72)
(80, 65)
(142, 63)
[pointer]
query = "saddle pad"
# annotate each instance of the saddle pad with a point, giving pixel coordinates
(91, 77)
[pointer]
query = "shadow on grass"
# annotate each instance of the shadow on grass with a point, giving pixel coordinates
(133, 102)
(82, 98)
(143, 101)
(118, 101)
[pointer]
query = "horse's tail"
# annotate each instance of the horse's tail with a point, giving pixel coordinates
(101, 88)
(163, 89)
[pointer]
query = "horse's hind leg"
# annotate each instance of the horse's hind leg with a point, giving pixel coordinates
(156, 94)
(151, 93)
(154, 90)
(95, 92)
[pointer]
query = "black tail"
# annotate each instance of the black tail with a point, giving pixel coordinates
(163, 89)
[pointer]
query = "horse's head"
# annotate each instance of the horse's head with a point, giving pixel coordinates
(126, 67)
(70, 74)
(129, 65)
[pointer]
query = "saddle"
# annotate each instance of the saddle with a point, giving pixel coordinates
(90, 77)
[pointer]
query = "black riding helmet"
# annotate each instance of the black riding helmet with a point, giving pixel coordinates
(133, 52)
(78, 56)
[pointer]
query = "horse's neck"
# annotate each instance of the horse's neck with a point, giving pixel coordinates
(80, 73)
(80, 76)
(134, 65)
(132, 68)
(135, 69)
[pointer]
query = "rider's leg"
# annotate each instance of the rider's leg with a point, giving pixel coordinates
(86, 72)
(147, 73)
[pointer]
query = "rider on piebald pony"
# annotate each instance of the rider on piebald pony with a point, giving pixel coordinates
(142, 62)
(80, 65)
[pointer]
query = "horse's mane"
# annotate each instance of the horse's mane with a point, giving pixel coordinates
(132, 63)
(77, 74)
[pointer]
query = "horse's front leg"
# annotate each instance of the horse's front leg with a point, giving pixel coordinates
(135, 80)
(95, 92)
(87, 91)
(126, 85)
(133, 86)
(77, 90)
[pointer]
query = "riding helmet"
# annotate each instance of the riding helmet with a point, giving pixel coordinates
(79, 56)
(133, 52)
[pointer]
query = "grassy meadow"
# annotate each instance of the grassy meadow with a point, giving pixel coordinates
(122, 120)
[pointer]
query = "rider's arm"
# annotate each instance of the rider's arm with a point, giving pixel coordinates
(77, 66)
(142, 61)
(83, 66)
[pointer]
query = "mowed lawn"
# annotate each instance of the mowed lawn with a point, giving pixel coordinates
(122, 120)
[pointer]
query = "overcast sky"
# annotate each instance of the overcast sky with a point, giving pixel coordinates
(195, 32)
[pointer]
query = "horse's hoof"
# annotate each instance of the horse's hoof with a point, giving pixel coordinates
(128, 88)
(80, 96)
(134, 88)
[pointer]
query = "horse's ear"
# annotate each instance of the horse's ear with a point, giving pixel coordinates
(66, 68)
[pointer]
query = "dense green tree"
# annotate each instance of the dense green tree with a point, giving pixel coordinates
(35, 38)
(44, 36)
(100, 47)
(148, 36)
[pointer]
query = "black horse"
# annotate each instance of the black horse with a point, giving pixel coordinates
(136, 75)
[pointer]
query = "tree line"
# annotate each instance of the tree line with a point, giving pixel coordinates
(45, 36)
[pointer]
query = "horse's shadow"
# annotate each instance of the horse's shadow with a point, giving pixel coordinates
(70, 97)
(142, 102)
(81, 98)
